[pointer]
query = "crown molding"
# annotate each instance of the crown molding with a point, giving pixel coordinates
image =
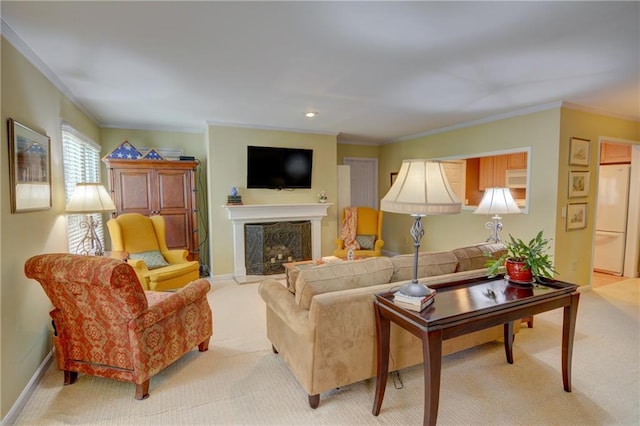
(30, 55)
(592, 110)
(490, 119)
(274, 128)
(154, 128)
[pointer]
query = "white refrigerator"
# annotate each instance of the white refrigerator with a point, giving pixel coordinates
(611, 218)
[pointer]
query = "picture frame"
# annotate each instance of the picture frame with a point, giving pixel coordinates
(29, 168)
(579, 152)
(577, 216)
(393, 176)
(578, 183)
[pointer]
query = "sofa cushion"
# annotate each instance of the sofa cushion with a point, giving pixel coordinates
(341, 276)
(476, 256)
(429, 265)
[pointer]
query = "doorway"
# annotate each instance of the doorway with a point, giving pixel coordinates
(363, 181)
(615, 153)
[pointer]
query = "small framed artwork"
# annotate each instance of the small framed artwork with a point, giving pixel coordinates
(579, 152)
(29, 168)
(578, 184)
(394, 175)
(576, 216)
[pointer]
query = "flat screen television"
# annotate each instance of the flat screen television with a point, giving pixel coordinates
(279, 168)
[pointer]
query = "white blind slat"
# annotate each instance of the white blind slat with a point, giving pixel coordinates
(81, 164)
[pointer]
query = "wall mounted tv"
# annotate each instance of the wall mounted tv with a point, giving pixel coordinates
(278, 168)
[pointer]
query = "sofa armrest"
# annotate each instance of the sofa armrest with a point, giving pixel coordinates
(339, 244)
(188, 294)
(283, 304)
(378, 245)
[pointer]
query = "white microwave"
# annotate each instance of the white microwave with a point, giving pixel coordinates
(516, 178)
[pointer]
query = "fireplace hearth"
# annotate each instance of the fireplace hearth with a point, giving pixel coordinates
(269, 245)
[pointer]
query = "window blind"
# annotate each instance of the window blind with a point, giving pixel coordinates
(81, 164)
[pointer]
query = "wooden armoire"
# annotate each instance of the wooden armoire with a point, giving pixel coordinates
(159, 187)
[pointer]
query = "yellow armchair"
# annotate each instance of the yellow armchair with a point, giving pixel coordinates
(369, 226)
(144, 239)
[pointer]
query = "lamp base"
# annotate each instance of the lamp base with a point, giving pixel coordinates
(414, 289)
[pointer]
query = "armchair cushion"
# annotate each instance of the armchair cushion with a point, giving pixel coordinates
(152, 258)
(366, 242)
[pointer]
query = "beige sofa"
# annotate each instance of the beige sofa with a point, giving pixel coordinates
(323, 325)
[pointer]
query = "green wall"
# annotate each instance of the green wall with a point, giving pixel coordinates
(574, 248)
(537, 130)
(190, 143)
(228, 167)
(357, 151)
(25, 338)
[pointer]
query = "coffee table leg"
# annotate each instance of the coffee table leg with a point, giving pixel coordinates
(508, 341)
(432, 355)
(568, 333)
(383, 330)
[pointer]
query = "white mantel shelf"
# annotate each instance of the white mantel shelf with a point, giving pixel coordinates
(256, 213)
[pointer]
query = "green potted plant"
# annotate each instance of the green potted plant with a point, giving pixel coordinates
(524, 262)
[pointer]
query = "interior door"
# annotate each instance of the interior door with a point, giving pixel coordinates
(364, 181)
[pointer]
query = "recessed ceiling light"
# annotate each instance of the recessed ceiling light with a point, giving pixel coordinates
(310, 114)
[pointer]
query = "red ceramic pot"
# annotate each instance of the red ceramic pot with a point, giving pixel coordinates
(517, 273)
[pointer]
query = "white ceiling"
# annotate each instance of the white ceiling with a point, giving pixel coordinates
(374, 71)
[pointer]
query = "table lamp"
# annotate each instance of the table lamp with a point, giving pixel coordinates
(90, 198)
(420, 189)
(496, 201)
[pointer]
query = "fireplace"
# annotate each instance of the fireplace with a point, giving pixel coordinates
(269, 245)
(240, 215)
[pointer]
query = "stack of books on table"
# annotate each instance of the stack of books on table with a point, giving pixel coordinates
(413, 303)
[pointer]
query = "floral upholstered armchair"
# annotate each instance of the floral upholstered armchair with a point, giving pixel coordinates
(107, 325)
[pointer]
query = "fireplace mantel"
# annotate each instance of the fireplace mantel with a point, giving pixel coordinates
(256, 213)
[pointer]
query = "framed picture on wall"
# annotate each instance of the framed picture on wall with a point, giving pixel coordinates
(578, 184)
(579, 152)
(29, 168)
(576, 216)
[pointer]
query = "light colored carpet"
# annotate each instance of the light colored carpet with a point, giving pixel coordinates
(240, 381)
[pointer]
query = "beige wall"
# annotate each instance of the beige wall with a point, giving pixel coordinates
(228, 167)
(357, 151)
(192, 144)
(28, 97)
(538, 131)
(574, 248)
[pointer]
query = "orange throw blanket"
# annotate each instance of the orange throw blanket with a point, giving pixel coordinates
(349, 228)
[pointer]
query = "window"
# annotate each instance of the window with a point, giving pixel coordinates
(81, 164)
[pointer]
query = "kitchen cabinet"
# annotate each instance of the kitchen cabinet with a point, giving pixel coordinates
(492, 172)
(493, 169)
(159, 187)
(517, 161)
(615, 153)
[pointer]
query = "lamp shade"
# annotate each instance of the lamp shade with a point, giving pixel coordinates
(90, 198)
(497, 201)
(421, 188)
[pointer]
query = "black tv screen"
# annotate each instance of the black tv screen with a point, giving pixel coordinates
(278, 168)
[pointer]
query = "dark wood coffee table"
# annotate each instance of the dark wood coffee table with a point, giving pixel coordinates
(464, 307)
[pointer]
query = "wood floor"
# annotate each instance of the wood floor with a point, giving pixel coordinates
(599, 279)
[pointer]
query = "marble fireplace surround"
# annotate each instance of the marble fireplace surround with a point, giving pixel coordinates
(259, 213)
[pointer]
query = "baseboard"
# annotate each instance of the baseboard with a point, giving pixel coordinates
(26, 393)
